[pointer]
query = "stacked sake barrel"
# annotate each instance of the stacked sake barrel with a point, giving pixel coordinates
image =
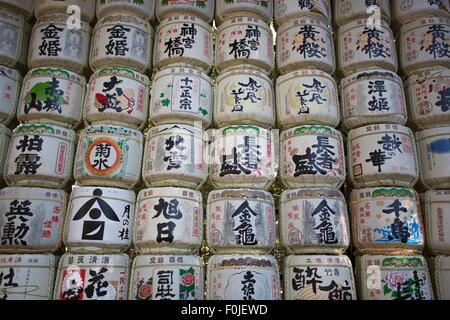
(240, 213)
(314, 226)
(168, 231)
(383, 165)
(423, 45)
(38, 162)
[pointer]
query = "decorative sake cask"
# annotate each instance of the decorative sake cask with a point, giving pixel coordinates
(386, 221)
(382, 155)
(313, 221)
(434, 154)
(307, 97)
(22, 7)
(181, 95)
(144, 9)
(53, 96)
(122, 39)
(169, 221)
(318, 277)
(244, 96)
(204, 9)
(117, 96)
(410, 10)
(285, 10)
(363, 44)
(183, 40)
(31, 219)
(244, 40)
(385, 277)
(372, 96)
(80, 9)
(427, 95)
(225, 9)
(312, 156)
(240, 220)
(109, 156)
(242, 277)
(436, 215)
(14, 40)
(99, 220)
(92, 277)
(40, 155)
(440, 274)
(55, 42)
(181, 277)
(348, 10)
(242, 157)
(5, 140)
(175, 155)
(424, 43)
(305, 43)
(27, 276)
(10, 86)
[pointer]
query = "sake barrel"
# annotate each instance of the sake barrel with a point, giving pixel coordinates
(305, 43)
(40, 155)
(109, 156)
(372, 96)
(10, 86)
(242, 277)
(434, 155)
(440, 274)
(144, 9)
(348, 10)
(14, 40)
(435, 211)
(240, 220)
(166, 277)
(313, 221)
(363, 44)
(382, 155)
(5, 140)
(225, 9)
(306, 97)
(55, 42)
(204, 9)
(244, 96)
(319, 277)
(169, 221)
(244, 40)
(387, 277)
(427, 95)
(22, 7)
(312, 156)
(124, 40)
(386, 221)
(79, 9)
(181, 95)
(183, 40)
(92, 277)
(285, 10)
(175, 155)
(411, 10)
(32, 219)
(53, 96)
(99, 220)
(242, 157)
(27, 276)
(117, 96)
(423, 43)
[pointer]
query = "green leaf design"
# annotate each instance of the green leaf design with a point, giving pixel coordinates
(165, 2)
(203, 111)
(229, 1)
(139, 2)
(200, 4)
(264, 4)
(165, 102)
(162, 95)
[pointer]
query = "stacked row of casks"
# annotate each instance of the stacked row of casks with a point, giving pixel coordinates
(313, 218)
(385, 160)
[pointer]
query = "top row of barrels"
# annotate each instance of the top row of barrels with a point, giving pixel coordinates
(305, 38)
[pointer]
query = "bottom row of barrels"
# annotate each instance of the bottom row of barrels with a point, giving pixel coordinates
(229, 277)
